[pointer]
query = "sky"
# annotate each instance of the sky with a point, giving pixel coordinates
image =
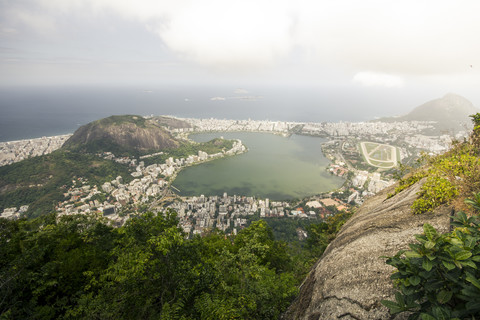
(422, 47)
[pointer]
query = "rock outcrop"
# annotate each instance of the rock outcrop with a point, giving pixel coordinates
(351, 278)
(121, 135)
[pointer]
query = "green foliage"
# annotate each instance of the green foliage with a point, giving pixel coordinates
(407, 182)
(434, 192)
(476, 129)
(120, 119)
(285, 228)
(438, 278)
(187, 149)
(106, 144)
(448, 177)
(41, 181)
(320, 235)
(78, 267)
(43, 262)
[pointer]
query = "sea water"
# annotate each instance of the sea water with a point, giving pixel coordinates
(32, 112)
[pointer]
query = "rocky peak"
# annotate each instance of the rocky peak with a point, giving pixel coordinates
(121, 134)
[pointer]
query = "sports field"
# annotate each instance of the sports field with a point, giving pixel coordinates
(379, 155)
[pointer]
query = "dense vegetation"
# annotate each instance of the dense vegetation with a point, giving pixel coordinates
(187, 148)
(139, 121)
(41, 181)
(439, 277)
(77, 267)
(449, 177)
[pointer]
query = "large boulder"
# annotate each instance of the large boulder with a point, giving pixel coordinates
(351, 277)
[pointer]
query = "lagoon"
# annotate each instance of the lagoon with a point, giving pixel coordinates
(275, 167)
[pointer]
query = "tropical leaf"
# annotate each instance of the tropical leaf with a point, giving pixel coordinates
(473, 280)
(427, 264)
(412, 254)
(429, 231)
(444, 296)
(415, 280)
(429, 245)
(448, 265)
(426, 316)
(393, 306)
(462, 255)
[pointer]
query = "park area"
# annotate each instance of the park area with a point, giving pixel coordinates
(379, 155)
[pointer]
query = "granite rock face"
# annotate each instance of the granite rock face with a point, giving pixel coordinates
(120, 134)
(351, 278)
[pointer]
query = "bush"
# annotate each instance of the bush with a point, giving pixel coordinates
(448, 177)
(438, 278)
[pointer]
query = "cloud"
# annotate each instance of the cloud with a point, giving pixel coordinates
(384, 36)
(8, 31)
(229, 34)
(370, 79)
(407, 37)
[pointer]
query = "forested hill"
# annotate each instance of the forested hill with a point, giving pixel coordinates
(78, 267)
(41, 182)
(122, 135)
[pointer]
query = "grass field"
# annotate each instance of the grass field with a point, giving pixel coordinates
(379, 155)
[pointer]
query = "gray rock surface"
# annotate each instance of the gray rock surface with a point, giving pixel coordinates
(351, 278)
(121, 133)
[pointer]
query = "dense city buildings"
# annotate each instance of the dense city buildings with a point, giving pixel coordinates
(14, 151)
(149, 187)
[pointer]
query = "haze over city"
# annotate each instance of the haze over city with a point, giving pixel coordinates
(388, 56)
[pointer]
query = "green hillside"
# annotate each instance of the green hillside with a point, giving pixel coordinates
(41, 181)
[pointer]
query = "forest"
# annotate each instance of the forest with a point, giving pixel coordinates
(79, 267)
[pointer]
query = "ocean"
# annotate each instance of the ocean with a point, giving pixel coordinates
(46, 111)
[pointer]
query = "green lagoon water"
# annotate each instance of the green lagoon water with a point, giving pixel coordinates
(275, 167)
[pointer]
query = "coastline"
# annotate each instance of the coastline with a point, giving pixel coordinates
(18, 150)
(68, 135)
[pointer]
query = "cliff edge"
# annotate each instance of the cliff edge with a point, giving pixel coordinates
(351, 278)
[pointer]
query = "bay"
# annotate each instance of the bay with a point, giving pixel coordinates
(275, 167)
(33, 112)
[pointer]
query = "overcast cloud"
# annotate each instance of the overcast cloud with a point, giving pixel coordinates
(381, 43)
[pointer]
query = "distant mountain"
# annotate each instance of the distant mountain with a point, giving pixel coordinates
(126, 134)
(451, 112)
